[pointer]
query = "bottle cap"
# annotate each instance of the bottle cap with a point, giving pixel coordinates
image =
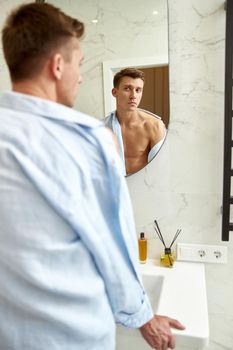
(142, 235)
(167, 250)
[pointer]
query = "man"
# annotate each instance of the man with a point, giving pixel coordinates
(140, 133)
(68, 257)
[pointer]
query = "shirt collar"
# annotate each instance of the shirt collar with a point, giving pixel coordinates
(45, 108)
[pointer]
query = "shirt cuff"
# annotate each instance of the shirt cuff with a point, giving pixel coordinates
(139, 318)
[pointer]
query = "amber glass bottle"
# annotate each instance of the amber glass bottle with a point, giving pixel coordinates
(142, 248)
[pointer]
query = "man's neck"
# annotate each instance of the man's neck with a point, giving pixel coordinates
(35, 88)
(126, 117)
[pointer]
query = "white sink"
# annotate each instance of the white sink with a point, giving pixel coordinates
(178, 292)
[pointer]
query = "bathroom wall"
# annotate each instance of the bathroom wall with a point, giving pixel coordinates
(182, 187)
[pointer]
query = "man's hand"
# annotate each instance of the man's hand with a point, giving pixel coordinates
(157, 332)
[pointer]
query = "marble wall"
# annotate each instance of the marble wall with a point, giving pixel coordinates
(182, 186)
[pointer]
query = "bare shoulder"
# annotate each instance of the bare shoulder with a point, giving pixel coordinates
(152, 123)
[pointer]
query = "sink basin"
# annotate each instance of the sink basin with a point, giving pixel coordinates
(179, 292)
(153, 286)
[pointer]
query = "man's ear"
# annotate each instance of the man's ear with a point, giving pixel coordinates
(114, 92)
(57, 66)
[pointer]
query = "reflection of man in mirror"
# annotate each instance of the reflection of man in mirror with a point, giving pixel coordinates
(140, 133)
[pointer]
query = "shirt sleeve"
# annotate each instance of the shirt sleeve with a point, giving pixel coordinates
(117, 253)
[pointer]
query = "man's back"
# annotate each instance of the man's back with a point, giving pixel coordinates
(45, 301)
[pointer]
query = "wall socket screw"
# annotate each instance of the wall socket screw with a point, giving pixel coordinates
(217, 254)
(201, 253)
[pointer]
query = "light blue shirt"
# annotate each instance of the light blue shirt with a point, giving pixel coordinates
(68, 249)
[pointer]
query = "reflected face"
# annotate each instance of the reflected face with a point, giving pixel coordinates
(129, 93)
(71, 77)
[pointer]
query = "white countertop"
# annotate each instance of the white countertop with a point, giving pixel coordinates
(183, 296)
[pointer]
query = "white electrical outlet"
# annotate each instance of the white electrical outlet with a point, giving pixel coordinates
(202, 253)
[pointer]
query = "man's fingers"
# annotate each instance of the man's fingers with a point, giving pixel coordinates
(172, 342)
(176, 324)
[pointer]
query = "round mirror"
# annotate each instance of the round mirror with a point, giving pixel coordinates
(139, 132)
